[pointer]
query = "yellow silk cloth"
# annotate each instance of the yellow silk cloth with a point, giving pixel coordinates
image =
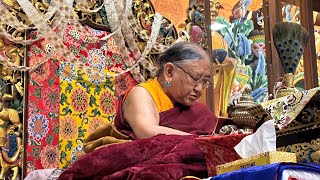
(160, 98)
(223, 76)
(217, 41)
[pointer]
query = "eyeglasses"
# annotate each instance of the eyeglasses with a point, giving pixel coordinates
(196, 80)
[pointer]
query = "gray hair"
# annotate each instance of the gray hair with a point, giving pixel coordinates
(181, 53)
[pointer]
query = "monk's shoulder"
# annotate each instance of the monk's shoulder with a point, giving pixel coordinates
(138, 93)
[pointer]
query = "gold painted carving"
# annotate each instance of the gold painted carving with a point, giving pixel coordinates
(144, 12)
(194, 22)
(306, 152)
(11, 145)
(308, 119)
(11, 95)
(214, 9)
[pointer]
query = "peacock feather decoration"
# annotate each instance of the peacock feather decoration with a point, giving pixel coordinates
(290, 40)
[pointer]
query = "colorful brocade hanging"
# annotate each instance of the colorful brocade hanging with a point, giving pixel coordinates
(66, 104)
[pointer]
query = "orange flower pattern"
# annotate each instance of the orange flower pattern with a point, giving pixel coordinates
(79, 100)
(49, 157)
(94, 123)
(42, 72)
(68, 127)
(67, 71)
(51, 98)
(107, 102)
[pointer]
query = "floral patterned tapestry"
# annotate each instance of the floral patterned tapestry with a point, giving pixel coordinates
(43, 112)
(66, 104)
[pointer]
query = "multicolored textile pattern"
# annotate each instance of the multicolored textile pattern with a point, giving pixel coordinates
(66, 104)
(43, 111)
(285, 109)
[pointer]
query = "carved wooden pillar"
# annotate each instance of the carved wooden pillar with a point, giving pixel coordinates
(309, 55)
(272, 13)
(207, 14)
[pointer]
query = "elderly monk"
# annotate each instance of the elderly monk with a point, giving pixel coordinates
(162, 117)
(168, 103)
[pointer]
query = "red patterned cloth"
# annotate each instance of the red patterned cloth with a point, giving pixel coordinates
(219, 149)
(43, 111)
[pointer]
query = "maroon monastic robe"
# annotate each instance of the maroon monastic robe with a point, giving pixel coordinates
(196, 119)
(162, 157)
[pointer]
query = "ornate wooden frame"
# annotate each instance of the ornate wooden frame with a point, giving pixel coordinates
(272, 12)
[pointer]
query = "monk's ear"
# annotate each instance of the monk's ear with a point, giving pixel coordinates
(168, 70)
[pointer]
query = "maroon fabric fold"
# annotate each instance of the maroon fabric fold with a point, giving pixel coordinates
(196, 119)
(162, 157)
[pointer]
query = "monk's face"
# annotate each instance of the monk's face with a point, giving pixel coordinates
(189, 81)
